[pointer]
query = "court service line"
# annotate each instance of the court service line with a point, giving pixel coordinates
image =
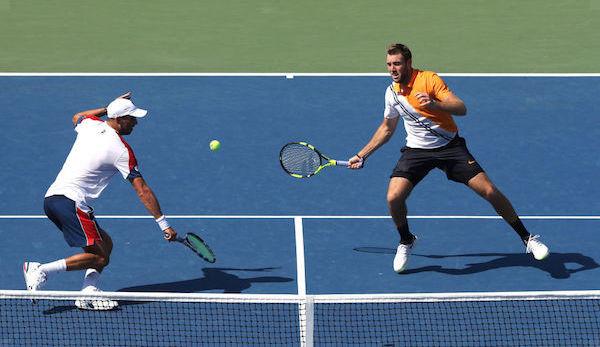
(294, 217)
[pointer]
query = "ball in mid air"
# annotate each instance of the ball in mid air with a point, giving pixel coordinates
(214, 145)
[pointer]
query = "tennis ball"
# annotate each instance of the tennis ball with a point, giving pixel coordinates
(214, 145)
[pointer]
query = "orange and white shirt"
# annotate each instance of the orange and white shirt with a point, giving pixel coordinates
(425, 128)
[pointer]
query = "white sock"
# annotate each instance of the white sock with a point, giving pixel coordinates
(92, 276)
(55, 266)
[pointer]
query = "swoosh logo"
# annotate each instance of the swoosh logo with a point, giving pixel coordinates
(471, 162)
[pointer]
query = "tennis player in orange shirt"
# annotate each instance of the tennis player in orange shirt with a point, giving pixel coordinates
(427, 106)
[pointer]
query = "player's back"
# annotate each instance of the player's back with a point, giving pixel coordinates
(91, 162)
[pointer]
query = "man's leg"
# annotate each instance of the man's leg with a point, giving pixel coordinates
(95, 256)
(483, 186)
(398, 191)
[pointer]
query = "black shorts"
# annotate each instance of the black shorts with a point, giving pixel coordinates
(454, 159)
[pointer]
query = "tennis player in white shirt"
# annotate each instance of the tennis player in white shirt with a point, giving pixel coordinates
(99, 152)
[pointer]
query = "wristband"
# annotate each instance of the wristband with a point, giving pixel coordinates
(163, 224)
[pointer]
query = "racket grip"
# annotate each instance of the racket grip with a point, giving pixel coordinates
(341, 163)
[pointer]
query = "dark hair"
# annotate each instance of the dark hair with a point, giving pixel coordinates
(398, 48)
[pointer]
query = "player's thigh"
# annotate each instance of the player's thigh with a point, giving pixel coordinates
(482, 185)
(458, 163)
(399, 189)
(414, 165)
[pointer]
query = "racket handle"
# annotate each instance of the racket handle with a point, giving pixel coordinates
(341, 163)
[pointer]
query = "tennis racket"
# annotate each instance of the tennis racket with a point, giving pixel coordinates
(302, 160)
(196, 244)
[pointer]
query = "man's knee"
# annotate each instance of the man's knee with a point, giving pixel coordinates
(101, 261)
(396, 197)
(398, 191)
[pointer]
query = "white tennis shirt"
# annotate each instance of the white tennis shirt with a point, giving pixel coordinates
(98, 153)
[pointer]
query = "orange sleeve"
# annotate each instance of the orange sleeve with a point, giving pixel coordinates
(438, 87)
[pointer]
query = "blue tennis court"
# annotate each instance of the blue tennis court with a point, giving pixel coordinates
(329, 234)
(534, 143)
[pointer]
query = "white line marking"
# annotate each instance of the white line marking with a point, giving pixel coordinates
(300, 268)
(309, 217)
(280, 74)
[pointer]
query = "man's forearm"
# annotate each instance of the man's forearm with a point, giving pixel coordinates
(149, 200)
(381, 136)
(97, 112)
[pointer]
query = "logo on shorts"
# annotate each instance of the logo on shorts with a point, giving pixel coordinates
(471, 162)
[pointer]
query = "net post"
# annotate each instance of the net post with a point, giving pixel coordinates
(306, 320)
(310, 323)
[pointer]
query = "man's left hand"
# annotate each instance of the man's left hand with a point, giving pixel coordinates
(425, 100)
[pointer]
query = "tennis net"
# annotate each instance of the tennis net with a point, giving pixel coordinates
(168, 319)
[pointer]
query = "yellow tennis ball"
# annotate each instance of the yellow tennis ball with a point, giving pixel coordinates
(214, 145)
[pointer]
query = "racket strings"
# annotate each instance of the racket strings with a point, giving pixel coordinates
(299, 159)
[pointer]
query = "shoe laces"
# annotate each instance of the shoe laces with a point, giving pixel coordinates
(532, 243)
(402, 248)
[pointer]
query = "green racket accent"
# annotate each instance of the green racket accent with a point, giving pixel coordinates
(196, 244)
(303, 160)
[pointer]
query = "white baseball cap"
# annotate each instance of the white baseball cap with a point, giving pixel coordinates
(124, 107)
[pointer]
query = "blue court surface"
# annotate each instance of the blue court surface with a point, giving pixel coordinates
(537, 143)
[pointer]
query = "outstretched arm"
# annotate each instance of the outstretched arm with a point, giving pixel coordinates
(147, 197)
(382, 135)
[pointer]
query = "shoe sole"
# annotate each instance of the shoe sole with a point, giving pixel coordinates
(96, 305)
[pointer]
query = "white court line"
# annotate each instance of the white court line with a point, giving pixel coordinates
(300, 268)
(287, 75)
(534, 217)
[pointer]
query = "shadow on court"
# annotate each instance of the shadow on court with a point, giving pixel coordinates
(555, 265)
(213, 279)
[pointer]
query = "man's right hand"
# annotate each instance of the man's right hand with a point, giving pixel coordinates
(125, 96)
(355, 162)
(170, 234)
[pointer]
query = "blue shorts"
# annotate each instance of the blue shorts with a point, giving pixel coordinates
(79, 227)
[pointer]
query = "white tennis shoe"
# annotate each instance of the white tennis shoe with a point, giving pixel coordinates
(34, 277)
(402, 253)
(95, 304)
(534, 245)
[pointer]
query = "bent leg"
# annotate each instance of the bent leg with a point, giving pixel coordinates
(96, 256)
(398, 191)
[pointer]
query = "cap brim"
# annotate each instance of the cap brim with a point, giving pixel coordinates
(138, 112)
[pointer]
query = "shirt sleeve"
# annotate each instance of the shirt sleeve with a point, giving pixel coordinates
(439, 88)
(127, 165)
(390, 111)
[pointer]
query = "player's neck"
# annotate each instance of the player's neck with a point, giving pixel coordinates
(112, 122)
(406, 77)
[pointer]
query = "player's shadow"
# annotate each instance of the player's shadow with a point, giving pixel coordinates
(555, 265)
(213, 279)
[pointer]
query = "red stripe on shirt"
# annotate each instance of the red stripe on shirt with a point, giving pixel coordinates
(132, 159)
